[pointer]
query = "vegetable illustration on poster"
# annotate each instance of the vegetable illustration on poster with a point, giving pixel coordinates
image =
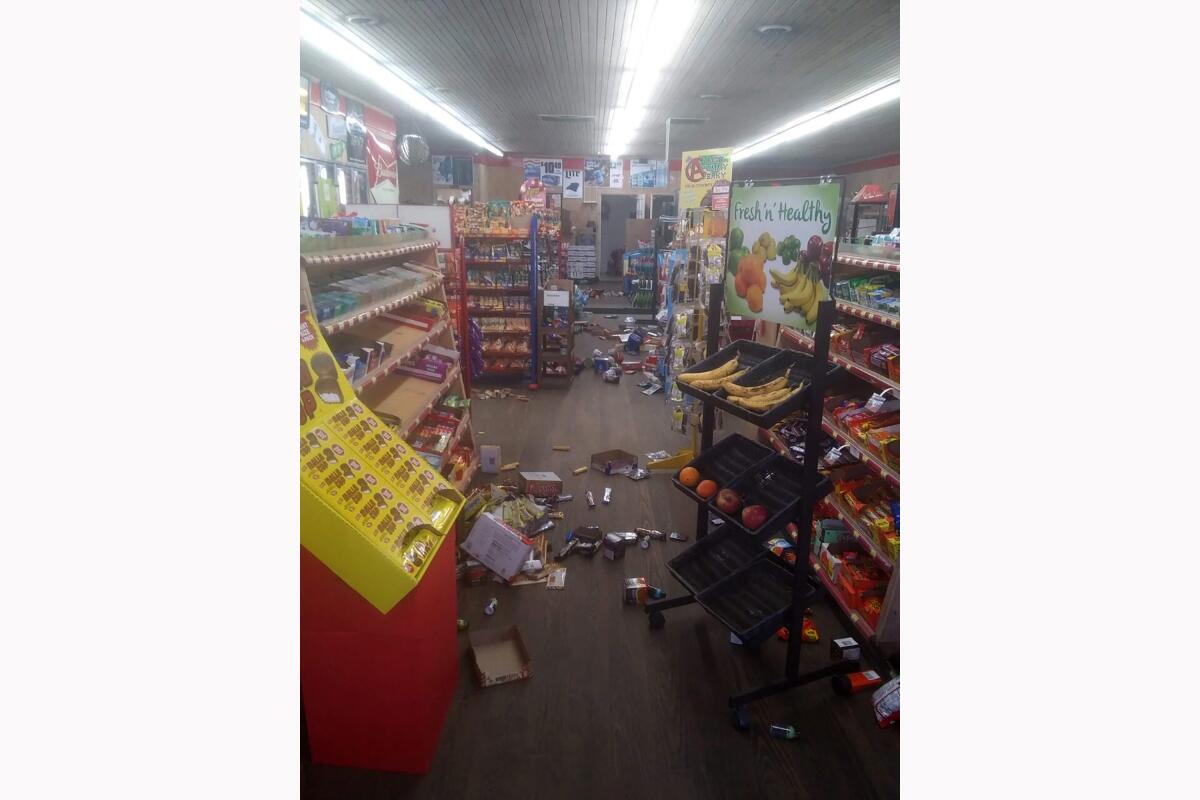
(782, 244)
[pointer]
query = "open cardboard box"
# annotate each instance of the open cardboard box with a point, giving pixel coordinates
(499, 656)
(614, 462)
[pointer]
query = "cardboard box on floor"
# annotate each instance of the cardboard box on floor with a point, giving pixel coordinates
(499, 656)
(497, 546)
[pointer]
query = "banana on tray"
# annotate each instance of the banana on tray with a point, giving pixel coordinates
(720, 373)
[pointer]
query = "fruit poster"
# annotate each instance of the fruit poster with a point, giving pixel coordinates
(782, 243)
(701, 171)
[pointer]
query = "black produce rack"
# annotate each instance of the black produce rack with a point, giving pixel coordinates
(730, 573)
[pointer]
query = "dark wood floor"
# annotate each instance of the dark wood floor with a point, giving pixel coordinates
(615, 709)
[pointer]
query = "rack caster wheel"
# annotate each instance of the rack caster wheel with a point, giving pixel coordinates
(741, 719)
(657, 620)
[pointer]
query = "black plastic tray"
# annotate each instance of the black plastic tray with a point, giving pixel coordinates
(781, 495)
(796, 366)
(723, 462)
(754, 601)
(749, 354)
(715, 557)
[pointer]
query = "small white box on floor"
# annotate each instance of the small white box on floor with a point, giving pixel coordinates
(497, 546)
(489, 458)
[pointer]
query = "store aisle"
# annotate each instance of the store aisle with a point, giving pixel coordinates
(615, 709)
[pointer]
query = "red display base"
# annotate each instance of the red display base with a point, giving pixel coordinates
(377, 687)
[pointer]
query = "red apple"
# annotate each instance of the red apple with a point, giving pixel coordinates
(814, 247)
(754, 516)
(728, 501)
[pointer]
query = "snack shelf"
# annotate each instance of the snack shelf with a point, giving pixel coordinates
(486, 312)
(512, 235)
(860, 531)
(855, 369)
(870, 459)
(870, 315)
(464, 425)
(869, 263)
(409, 398)
(405, 342)
(524, 290)
(356, 255)
(503, 354)
(520, 371)
(864, 627)
(468, 474)
(496, 264)
(505, 333)
(391, 304)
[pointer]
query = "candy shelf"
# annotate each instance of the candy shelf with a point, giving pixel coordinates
(407, 398)
(462, 484)
(869, 263)
(876, 464)
(499, 289)
(864, 628)
(859, 529)
(335, 252)
(491, 312)
(498, 263)
(357, 316)
(405, 343)
(857, 370)
(502, 333)
(870, 315)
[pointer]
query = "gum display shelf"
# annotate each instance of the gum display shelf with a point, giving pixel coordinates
(504, 333)
(723, 462)
(777, 482)
(358, 315)
(499, 289)
(370, 248)
(715, 557)
(862, 312)
(857, 370)
(753, 602)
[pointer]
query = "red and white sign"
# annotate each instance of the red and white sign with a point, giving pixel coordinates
(381, 166)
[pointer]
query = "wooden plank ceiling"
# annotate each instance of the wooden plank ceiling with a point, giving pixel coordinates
(501, 63)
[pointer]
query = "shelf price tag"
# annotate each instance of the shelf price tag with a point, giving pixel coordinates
(877, 400)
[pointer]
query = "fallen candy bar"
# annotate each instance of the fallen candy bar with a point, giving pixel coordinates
(591, 500)
(783, 732)
(579, 471)
(507, 467)
(563, 448)
(562, 498)
(587, 548)
(531, 567)
(653, 534)
(607, 495)
(678, 537)
(588, 533)
(629, 536)
(568, 549)
(556, 515)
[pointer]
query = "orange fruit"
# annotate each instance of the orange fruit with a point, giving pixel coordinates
(689, 476)
(754, 298)
(706, 489)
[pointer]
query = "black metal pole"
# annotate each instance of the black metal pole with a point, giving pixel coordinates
(812, 438)
(712, 343)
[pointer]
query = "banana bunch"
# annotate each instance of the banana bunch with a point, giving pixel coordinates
(799, 291)
(717, 383)
(765, 402)
(719, 374)
(734, 390)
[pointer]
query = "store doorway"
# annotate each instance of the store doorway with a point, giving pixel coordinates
(614, 210)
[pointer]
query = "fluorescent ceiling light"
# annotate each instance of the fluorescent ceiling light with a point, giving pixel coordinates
(657, 31)
(820, 120)
(335, 40)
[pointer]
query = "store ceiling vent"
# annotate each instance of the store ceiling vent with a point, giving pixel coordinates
(567, 117)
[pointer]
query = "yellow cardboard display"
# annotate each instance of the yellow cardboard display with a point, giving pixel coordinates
(371, 509)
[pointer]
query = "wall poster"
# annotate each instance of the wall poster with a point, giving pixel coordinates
(595, 172)
(572, 184)
(616, 174)
(382, 175)
(782, 245)
(644, 174)
(701, 172)
(356, 132)
(443, 170)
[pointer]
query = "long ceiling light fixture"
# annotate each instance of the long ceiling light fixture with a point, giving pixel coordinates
(822, 119)
(351, 51)
(654, 37)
